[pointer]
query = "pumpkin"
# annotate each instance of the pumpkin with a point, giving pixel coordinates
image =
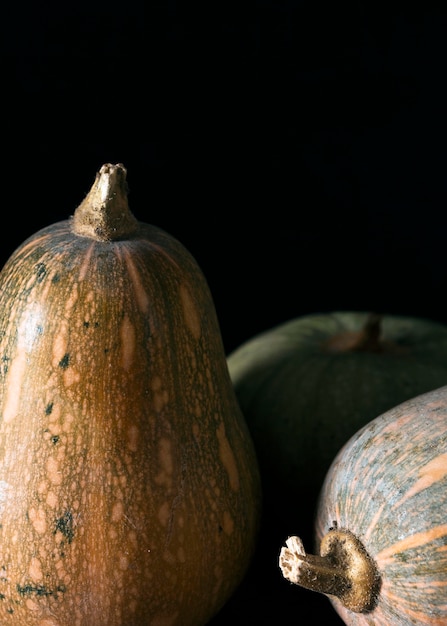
(129, 486)
(381, 525)
(307, 385)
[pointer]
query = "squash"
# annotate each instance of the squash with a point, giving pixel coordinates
(129, 486)
(381, 525)
(307, 385)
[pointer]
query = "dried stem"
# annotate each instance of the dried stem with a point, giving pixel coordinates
(343, 569)
(366, 339)
(104, 213)
(371, 335)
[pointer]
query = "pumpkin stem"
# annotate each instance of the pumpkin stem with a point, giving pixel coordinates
(343, 569)
(104, 213)
(369, 338)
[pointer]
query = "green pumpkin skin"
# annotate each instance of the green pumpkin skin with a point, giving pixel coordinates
(129, 487)
(306, 386)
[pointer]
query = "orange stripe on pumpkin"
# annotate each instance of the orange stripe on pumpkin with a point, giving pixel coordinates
(411, 542)
(404, 607)
(431, 473)
(85, 263)
(374, 521)
(139, 289)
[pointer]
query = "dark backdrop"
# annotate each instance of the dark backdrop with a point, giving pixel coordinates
(296, 148)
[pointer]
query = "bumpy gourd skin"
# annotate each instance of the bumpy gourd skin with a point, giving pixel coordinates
(129, 487)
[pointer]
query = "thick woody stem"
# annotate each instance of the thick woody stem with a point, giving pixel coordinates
(366, 339)
(104, 214)
(370, 337)
(343, 569)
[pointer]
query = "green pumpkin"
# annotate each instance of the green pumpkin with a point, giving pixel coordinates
(306, 386)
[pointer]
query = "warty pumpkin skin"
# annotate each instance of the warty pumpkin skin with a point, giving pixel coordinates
(129, 485)
(307, 385)
(381, 525)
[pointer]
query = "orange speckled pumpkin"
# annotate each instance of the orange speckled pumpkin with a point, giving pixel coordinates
(382, 521)
(129, 485)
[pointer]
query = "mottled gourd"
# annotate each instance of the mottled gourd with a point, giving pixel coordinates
(129, 485)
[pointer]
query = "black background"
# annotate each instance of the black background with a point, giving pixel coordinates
(297, 149)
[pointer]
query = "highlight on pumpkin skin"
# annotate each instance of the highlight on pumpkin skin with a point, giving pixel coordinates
(342, 569)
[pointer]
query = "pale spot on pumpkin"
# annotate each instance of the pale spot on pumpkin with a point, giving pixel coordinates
(227, 523)
(32, 605)
(69, 418)
(53, 472)
(123, 480)
(35, 569)
(133, 539)
(123, 562)
(52, 499)
(160, 400)
(48, 622)
(58, 538)
(163, 514)
(156, 383)
(71, 300)
(42, 487)
(38, 520)
(60, 344)
(190, 313)
(160, 395)
(71, 376)
(133, 436)
(60, 569)
(55, 416)
(127, 338)
(227, 457)
(164, 477)
(117, 511)
(198, 409)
